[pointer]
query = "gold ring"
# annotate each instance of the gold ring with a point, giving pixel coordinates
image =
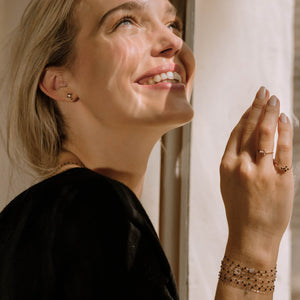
(263, 152)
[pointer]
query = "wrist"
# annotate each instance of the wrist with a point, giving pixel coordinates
(259, 252)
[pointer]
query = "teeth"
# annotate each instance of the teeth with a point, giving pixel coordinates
(169, 76)
(164, 76)
(177, 77)
(157, 78)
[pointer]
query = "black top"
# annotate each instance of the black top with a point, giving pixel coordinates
(81, 235)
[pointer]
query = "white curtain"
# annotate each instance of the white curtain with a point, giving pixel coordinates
(239, 46)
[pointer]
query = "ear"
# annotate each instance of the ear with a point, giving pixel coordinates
(53, 84)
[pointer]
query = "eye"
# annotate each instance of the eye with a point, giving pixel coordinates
(176, 27)
(125, 21)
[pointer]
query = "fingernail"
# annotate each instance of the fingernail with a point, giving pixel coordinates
(261, 93)
(283, 118)
(273, 101)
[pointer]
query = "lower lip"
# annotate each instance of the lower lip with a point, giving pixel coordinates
(164, 86)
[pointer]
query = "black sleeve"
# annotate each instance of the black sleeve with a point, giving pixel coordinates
(90, 248)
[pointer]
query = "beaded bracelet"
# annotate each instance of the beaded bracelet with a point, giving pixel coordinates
(250, 279)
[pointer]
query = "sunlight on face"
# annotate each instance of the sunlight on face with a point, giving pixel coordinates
(132, 67)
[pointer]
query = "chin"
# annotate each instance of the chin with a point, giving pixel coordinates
(185, 117)
(174, 119)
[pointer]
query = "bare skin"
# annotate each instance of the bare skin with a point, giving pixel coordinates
(115, 120)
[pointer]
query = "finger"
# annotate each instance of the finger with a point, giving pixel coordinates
(283, 158)
(233, 144)
(248, 141)
(266, 132)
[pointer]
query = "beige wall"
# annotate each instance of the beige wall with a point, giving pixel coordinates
(10, 183)
(10, 12)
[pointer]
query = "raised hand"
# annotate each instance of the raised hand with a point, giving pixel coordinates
(258, 190)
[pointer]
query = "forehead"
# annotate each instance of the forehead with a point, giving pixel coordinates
(102, 6)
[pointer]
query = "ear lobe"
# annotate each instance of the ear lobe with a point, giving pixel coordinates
(53, 84)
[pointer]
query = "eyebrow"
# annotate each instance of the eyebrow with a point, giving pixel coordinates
(131, 6)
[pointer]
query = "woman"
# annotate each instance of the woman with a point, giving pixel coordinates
(94, 84)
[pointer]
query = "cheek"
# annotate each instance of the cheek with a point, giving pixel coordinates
(105, 75)
(123, 60)
(188, 59)
(110, 64)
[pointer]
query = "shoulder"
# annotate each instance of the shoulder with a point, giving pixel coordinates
(81, 182)
(76, 191)
(83, 195)
(77, 208)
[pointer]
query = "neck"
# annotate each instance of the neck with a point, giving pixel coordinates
(120, 155)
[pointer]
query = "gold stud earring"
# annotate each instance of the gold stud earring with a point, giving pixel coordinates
(70, 96)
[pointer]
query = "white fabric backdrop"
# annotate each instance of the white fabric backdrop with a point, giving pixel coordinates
(239, 46)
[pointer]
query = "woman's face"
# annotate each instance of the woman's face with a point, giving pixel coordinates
(132, 67)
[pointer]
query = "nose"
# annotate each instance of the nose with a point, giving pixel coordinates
(165, 43)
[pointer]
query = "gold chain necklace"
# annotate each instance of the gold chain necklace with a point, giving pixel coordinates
(77, 163)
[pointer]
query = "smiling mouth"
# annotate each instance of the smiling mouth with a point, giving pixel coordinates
(171, 77)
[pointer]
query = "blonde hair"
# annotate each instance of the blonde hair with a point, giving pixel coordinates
(45, 37)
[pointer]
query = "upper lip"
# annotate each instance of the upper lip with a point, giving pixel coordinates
(171, 67)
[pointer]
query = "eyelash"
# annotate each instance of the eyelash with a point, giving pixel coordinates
(177, 24)
(124, 19)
